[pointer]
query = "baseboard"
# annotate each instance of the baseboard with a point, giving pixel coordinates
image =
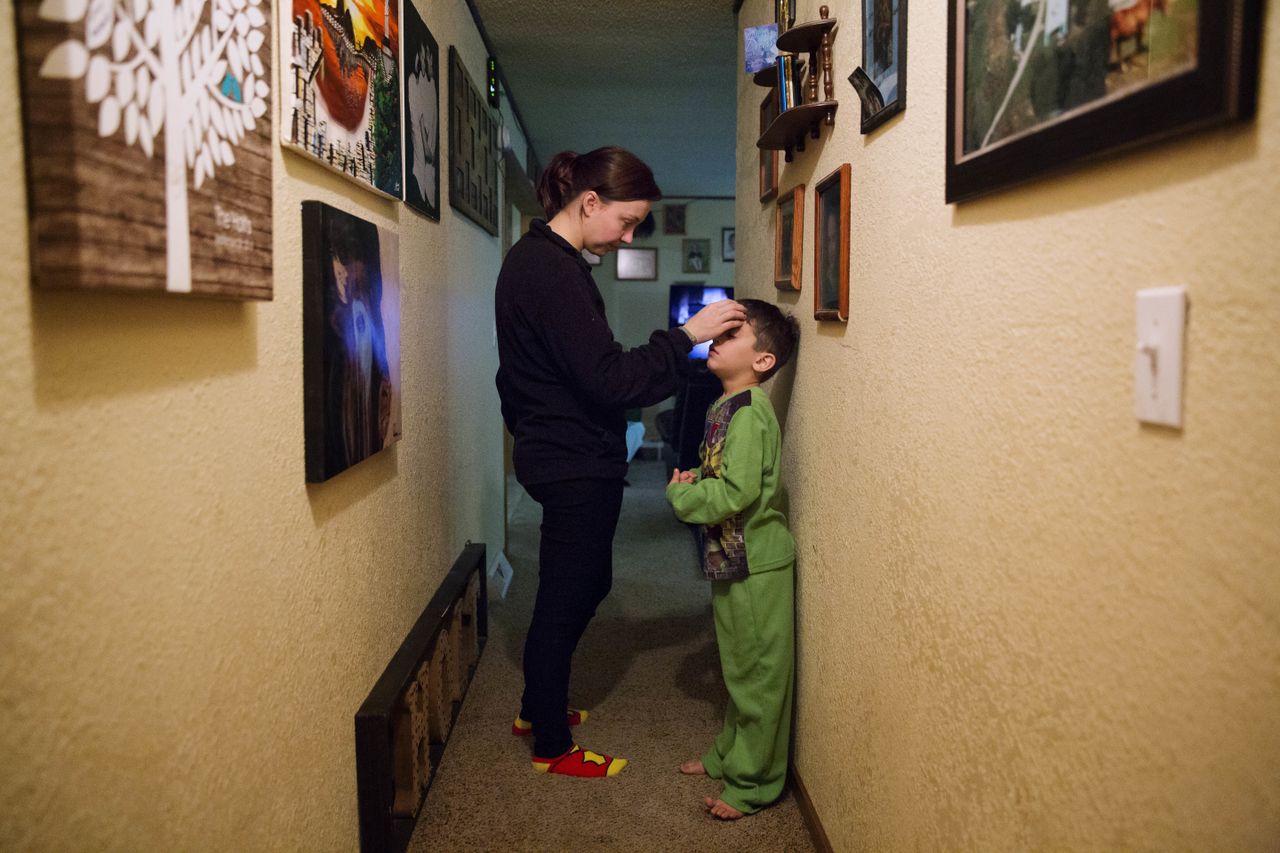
(817, 834)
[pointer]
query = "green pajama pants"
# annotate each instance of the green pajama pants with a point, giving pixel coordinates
(755, 630)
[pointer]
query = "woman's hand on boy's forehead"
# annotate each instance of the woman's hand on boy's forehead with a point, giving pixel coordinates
(715, 319)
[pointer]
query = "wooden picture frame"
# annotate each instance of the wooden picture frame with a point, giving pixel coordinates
(673, 218)
(473, 149)
(636, 264)
(788, 239)
(695, 256)
(1171, 66)
(884, 57)
(831, 246)
(768, 157)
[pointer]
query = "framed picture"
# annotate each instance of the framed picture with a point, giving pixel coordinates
(695, 256)
(768, 158)
(884, 58)
(637, 264)
(473, 149)
(340, 90)
(141, 178)
(727, 244)
(831, 246)
(788, 239)
(421, 116)
(760, 47)
(1031, 88)
(350, 339)
(673, 218)
(590, 258)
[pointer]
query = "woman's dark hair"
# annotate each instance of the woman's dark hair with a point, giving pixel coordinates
(615, 174)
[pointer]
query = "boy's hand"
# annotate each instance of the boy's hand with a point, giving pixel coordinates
(678, 476)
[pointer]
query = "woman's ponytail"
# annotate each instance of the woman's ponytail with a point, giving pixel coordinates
(614, 173)
(555, 187)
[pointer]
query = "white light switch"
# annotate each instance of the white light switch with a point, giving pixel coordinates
(1157, 362)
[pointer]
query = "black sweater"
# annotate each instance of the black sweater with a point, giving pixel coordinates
(565, 383)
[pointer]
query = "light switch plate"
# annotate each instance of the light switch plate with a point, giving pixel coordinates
(1157, 360)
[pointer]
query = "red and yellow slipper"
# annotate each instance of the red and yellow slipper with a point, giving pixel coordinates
(581, 762)
(523, 727)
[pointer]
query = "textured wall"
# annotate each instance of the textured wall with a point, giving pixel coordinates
(187, 628)
(1026, 621)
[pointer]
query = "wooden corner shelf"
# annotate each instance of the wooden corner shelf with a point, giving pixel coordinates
(806, 37)
(788, 129)
(769, 76)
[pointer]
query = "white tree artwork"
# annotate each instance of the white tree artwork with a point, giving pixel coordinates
(188, 68)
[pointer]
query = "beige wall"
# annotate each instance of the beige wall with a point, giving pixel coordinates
(187, 628)
(1026, 621)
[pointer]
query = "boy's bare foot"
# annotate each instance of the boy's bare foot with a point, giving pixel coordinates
(693, 767)
(721, 809)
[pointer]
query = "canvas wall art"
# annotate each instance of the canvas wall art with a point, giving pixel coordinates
(421, 115)
(143, 130)
(340, 76)
(1040, 84)
(473, 149)
(350, 339)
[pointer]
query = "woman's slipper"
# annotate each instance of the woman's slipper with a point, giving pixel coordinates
(581, 762)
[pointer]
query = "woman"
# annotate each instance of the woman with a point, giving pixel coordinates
(565, 385)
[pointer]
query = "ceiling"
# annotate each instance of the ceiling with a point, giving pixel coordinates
(654, 76)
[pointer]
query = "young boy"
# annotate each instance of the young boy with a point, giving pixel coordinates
(749, 557)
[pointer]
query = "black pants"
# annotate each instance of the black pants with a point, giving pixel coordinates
(575, 572)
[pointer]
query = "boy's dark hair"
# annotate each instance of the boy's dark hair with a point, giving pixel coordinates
(776, 332)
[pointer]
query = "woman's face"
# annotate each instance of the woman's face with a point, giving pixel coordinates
(608, 224)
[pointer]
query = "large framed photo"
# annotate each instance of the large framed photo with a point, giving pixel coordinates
(768, 157)
(695, 256)
(350, 339)
(147, 136)
(421, 115)
(637, 264)
(1034, 86)
(340, 82)
(884, 57)
(788, 239)
(831, 246)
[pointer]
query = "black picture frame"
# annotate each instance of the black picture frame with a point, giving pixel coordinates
(1219, 86)
(831, 245)
(883, 41)
(421, 127)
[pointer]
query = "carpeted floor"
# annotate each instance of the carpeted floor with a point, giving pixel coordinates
(648, 671)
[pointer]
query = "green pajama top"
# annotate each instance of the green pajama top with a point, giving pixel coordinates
(737, 494)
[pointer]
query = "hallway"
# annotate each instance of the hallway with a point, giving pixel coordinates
(647, 670)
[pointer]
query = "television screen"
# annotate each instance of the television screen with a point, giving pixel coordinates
(687, 300)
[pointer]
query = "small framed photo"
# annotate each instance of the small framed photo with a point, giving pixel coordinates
(727, 249)
(673, 218)
(594, 260)
(637, 264)
(788, 239)
(696, 256)
(884, 58)
(831, 246)
(768, 157)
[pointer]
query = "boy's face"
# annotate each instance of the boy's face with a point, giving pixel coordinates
(733, 355)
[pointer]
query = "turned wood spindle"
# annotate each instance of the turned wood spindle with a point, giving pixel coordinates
(828, 90)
